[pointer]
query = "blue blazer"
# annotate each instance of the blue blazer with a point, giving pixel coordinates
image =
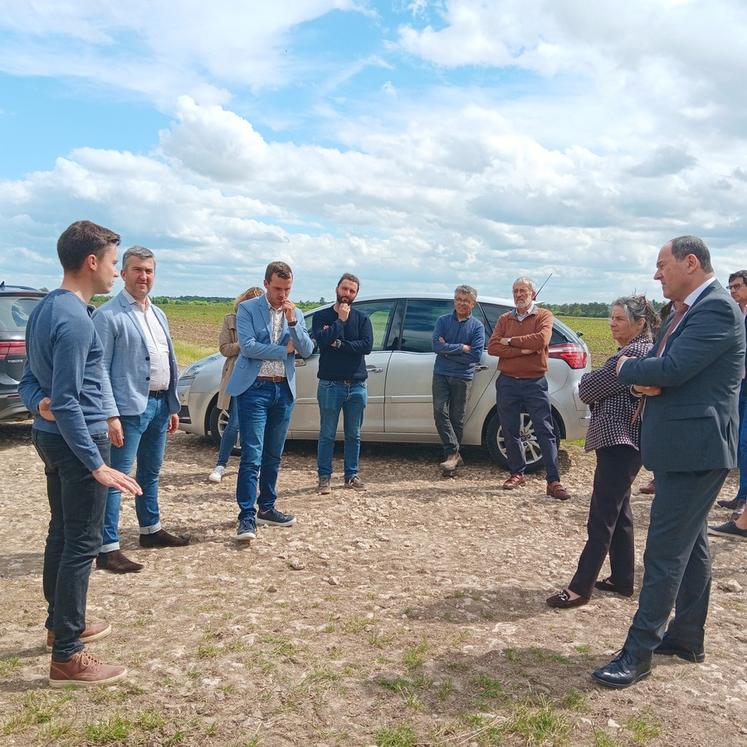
(253, 329)
(126, 359)
(693, 424)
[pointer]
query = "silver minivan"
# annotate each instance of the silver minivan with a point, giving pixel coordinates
(400, 369)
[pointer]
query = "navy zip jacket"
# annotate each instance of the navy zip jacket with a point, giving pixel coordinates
(451, 360)
(343, 362)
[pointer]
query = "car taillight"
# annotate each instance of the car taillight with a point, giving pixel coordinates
(573, 355)
(12, 349)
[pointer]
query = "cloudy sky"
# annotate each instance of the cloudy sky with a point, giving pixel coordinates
(415, 143)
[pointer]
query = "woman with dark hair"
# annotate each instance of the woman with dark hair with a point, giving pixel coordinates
(229, 346)
(614, 434)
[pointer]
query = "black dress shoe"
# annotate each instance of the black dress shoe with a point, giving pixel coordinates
(623, 671)
(733, 505)
(607, 585)
(162, 538)
(669, 648)
(562, 600)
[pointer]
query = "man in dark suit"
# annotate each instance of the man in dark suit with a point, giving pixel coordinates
(689, 438)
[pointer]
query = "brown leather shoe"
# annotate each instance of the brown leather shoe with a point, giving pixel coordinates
(94, 631)
(557, 491)
(83, 669)
(115, 561)
(162, 538)
(515, 481)
(562, 600)
(649, 488)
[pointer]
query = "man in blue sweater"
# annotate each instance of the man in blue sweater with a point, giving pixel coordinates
(65, 387)
(344, 336)
(458, 342)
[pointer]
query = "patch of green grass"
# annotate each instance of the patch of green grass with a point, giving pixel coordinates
(114, 729)
(402, 735)
(444, 690)
(280, 645)
(483, 730)
(583, 648)
(380, 640)
(512, 655)
(538, 723)
(150, 720)
(574, 700)
(208, 651)
(542, 655)
(415, 656)
(602, 739)
(9, 665)
(187, 352)
(596, 334)
(643, 728)
(488, 687)
(38, 708)
(356, 625)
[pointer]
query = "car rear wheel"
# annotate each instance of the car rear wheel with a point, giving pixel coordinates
(217, 424)
(530, 445)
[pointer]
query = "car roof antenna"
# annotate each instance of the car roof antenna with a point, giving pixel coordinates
(543, 285)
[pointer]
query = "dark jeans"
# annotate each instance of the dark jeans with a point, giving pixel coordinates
(514, 396)
(610, 524)
(450, 397)
(265, 411)
(76, 504)
(742, 452)
(677, 562)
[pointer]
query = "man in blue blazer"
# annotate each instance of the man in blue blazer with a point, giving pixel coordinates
(270, 331)
(689, 437)
(140, 362)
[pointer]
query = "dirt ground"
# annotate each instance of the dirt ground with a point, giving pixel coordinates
(411, 614)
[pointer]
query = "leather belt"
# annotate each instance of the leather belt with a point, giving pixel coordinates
(160, 394)
(273, 379)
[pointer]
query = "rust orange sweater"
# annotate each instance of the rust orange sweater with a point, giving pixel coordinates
(533, 333)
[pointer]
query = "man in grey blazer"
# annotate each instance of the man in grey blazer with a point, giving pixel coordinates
(139, 359)
(689, 436)
(271, 331)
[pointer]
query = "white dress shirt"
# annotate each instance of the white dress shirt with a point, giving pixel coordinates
(155, 339)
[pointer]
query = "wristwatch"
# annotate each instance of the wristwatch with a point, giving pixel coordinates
(337, 344)
(508, 342)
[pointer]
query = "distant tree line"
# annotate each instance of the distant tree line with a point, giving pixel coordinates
(205, 301)
(597, 309)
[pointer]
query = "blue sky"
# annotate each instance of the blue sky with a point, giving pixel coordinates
(418, 144)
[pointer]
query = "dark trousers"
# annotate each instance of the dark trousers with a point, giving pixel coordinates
(610, 523)
(450, 396)
(677, 562)
(76, 505)
(514, 396)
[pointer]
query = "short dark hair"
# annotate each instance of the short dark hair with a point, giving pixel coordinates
(81, 239)
(684, 245)
(349, 276)
(739, 274)
(280, 269)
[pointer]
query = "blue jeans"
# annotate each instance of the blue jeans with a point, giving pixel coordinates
(228, 439)
(514, 396)
(144, 440)
(264, 415)
(76, 505)
(352, 399)
(742, 451)
(450, 396)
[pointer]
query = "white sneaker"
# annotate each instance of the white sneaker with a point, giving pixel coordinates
(216, 474)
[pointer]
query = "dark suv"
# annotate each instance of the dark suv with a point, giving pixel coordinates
(16, 304)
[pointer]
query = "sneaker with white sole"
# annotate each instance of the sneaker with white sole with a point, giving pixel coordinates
(83, 669)
(246, 530)
(217, 474)
(275, 518)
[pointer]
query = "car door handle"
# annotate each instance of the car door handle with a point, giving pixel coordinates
(481, 367)
(374, 369)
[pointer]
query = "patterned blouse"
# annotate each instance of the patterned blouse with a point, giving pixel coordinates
(611, 403)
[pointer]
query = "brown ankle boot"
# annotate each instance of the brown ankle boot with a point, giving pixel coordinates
(95, 630)
(116, 561)
(83, 669)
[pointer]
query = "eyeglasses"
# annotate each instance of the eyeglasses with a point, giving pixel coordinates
(735, 286)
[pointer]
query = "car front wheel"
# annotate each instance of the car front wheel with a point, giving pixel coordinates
(529, 444)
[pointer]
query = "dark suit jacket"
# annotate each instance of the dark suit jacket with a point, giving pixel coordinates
(693, 424)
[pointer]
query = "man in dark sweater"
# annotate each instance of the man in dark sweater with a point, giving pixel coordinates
(521, 340)
(65, 387)
(458, 342)
(344, 336)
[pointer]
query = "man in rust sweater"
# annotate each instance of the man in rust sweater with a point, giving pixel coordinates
(520, 340)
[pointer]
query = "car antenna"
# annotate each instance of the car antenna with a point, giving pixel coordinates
(543, 285)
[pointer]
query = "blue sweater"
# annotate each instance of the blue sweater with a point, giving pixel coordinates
(64, 363)
(346, 362)
(451, 360)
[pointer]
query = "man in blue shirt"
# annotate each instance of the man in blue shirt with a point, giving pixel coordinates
(458, 342)
(65, 387)
(344, 336)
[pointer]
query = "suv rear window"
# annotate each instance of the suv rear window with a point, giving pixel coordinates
(14, 313)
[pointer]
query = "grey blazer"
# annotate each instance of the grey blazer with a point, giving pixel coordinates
(693, 424)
